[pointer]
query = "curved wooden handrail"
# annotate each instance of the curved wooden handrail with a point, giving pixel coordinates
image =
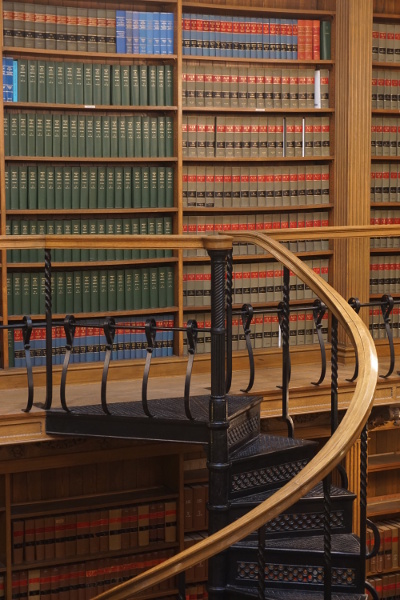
(328, 457)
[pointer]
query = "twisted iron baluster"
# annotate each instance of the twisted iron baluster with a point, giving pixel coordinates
(334, 375)
(327, 539)
(192, 331)
(69, 328)
(27, 332)
(318, 312)
(286, 352)
(109, 332)
(48, 308)
(363, 499)
(150, 331)
(228, 293)
(356, 305)
(387, 304)
(247, 316)
(261, 563)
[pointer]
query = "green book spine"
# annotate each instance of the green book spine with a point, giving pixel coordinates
(119, 252)
(325, 41)
(42, 297)
(110, 230)
(120, 276)
(6, 124)
(153, 172)
(26, 293)
(22, 80)
(89, 137)
(121, 152)
(96, 84)
(60, 293)
(137, 187)
(50, 187)
(152, 85)
(69, 293)
(76, 183)
(98, 136)
(169, 187)
(92, 187)
(17, 294)
(145, 277)
(112, 290)
(161, 189)
(33, 254)
(31, 133)
(160, 86)
(76, 230)
(167, 223)
(106, 137)
(67, 230)
(67, 188)
(119, 187)
(127, 191)
(125, 85)
(77, 292)
(57, 134)
(101, 187)
(32, 187)
(58, 254)
(169, 278)
(14, 192)
(137, 289)
(127, 230)
(145, 187)
(116, 85)
(14, 151)
(137, 130)
(32, 80)
(22, 134)
(42, 188)
(94, 291)
(159, 227)
(15, 230)
(48, 135)
(65, 135)
(84, 188)
(50, 82)
(169, 87)
(103, 286)
(151, 230)
(88, 84)
(105, 85)
(130, 136)
(153, 282)
(60, 82)
(7, 184)
(93, 252)
(169, 137)
(143, 230)
(161, 136)
(58, 187)
(153, 137)
(41, 81)
(78, 83)
(135, 231)
(114, 136)
(73, 135)
(162, 288)
(128, 289)
(81, 136)
(25, 253)
(85, 231)
(35, 294)
(146, 136)
(86, 307)
(110, 192)
(143, 86)
(11, 349)
(69, 83)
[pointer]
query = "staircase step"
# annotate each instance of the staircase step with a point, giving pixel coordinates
(297, 563)
(236, 593)
(267, 462)
(303, 518)
(169, 422)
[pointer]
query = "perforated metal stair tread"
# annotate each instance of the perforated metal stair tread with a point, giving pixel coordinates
(341, 543)
(315, 494)
(238, 592)
(265, 444)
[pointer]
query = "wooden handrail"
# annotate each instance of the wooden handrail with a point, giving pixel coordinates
(328, 457)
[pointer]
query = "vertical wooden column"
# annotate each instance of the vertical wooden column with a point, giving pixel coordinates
(352, 466)
(352, 138)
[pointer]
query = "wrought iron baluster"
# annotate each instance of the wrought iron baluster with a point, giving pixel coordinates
(356, 306)
(69, 328)
(319, 311)
(150, 331)
(48, 309)
(228, 294)
(109, 332)
(261, 563)
(327, 539)
(247, 316)
(181, 586)
(284, 308)
(334, 374)
(192, 332)
(26, 333)
(387, 304)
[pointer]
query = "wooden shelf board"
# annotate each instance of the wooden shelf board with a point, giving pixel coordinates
(385, 251)
(94, 264)
(218, 109)
(86, 159)
(383, 505)
(253, 209)
(385, 17)
(78, 55)
(383, 462)
(88, 107)
(258, 257)
(95, 315)
(266, 61)
(90, 211)
(385, 158)
(386, 204)
(255, 10)
(272, 159)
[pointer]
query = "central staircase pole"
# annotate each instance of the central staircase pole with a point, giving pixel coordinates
(218, 462)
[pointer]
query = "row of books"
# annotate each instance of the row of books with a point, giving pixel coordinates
(225, 186)
(90, 343)
(213, 85)
(195, 507)
(254, 37)
(385, 182)
(82, 135)
(51, 27)
(92, 290)
(144, 226)
(251, 282)
(265, 331)
(207, 225)
(195, 592)
(386, 42)
(87, 83)
(388, 555)
(200, 571)
(386, 586)
(48, 187)
(86, 579)
(384, 217)
(385, 242)
(144, 32)
(385, 136)
(255, 137)
(81, 533)
(377, 325)
(385, 86)
(384, 274)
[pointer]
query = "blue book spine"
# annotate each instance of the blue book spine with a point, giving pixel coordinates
(128, 31)
(142, 32)
(235, 37)
(163, 33)
(272, 38)
(185, 34)
(253, 37)
(211, 20)
(149, 33)
(289, 33)
(19, 348)
(15, 81)
(170, 33)
(224, 36)
(102, 345)
(193, 35)
(218, 36)
(259, 38)
(247, 44)
(294, 38)
(170, 336)
(8, 79)
(135, 32)
(126, 342)
(41, 347)
(133, 340)
(206, 36)
(156, 33)
(141, 349)
(120, 26)
(4, 80)
(278, 43)
(119, 340)
(89, 346)
(242, 37)
(265, 41)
